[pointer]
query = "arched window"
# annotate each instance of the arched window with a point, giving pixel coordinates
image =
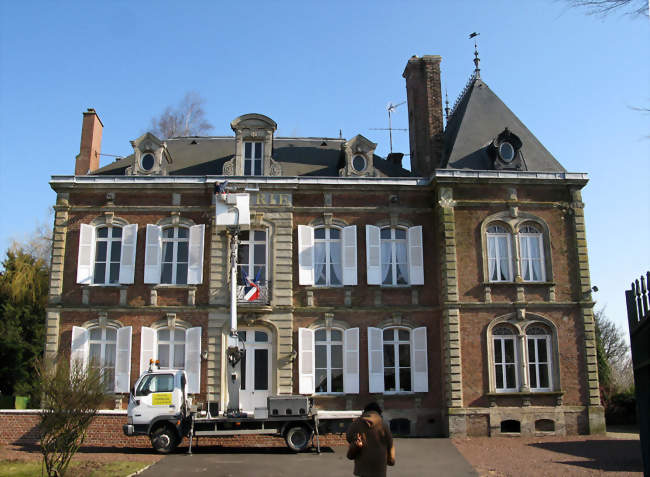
(108, 248)
(498, 254)
(397, 359)
(171, 348)
(394, 256)
(506, 360)
(327, 256)
(175, 255)
(329, 360)
(531, 253)
(538, 340)
(102, 347)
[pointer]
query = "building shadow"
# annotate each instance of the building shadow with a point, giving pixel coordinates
(605, 455)
(216, 449)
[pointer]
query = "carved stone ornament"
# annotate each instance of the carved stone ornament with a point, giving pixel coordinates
(171, 320)
(229, 168)
(446, 197)
(359, 153)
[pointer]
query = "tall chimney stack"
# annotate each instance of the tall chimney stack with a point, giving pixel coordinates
(91, 143)
(424, 97)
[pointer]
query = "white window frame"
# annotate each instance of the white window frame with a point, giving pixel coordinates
(251, 243)
(87, 254)
(496, 236)
(539, 340)
(396, 342)
(175, 240)
(499, 340)
(329, 243)
(109, 259)
(393, 263)
(171, 343)
(328, 350)
(103, 341)
(252, 160)
(531, 239)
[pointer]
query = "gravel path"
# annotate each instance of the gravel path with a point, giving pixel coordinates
(615, 454)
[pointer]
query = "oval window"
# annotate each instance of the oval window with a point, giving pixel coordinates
(359, 163)
(506, 151)
(147, 162)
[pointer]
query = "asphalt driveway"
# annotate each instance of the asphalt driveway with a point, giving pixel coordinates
(415, 457)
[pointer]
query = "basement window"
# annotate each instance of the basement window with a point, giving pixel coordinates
(510, 426)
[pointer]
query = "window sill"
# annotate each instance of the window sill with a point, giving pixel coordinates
(491, 284)
(162, 286)
(326, 287)
(524, 393)
(104, 285)
(328, 395)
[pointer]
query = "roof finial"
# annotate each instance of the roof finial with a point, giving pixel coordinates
(477, 60)
(446, 105)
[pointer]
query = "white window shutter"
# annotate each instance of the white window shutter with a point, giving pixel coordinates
(375, 360)
(147, 347)
(195, 269)
(419, 360)
(305, 255)
(373, 255)
(80, 347)
(193, 360)
(123, 360)
(351, 361)
(86, 257)
(306, 361)
(153, 254)
(127, 256)
(349, 255)
(416, 262)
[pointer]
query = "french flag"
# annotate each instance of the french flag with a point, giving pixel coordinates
(251, 289)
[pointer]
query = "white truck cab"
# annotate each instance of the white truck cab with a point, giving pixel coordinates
(158, 407)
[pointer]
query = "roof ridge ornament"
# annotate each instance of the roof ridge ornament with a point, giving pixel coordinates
(477, 60)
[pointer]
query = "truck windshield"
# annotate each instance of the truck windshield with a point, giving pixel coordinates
(155, 383)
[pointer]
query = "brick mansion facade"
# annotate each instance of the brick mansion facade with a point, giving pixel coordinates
(456, 294)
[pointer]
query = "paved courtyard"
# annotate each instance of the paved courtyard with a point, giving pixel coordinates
(415, 457)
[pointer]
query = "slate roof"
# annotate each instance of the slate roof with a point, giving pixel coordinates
(479, 116)
(193, 156)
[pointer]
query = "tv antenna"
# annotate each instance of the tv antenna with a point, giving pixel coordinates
(390, 107)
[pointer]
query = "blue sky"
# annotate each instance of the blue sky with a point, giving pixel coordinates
(320, 67)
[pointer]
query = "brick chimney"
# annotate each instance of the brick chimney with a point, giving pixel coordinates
(91, 143)
(424, 97)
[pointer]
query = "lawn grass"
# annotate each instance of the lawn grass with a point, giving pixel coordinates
(16, 468)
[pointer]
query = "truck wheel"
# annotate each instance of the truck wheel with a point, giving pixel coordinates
(164, 440)
(297, 438)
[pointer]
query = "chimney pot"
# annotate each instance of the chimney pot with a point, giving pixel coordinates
(395, 158)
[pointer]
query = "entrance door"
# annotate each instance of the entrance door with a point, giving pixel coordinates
(255, 369)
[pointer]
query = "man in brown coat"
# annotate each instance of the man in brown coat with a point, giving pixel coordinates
(371, 443)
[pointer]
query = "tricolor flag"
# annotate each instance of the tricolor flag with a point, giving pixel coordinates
(251, 289)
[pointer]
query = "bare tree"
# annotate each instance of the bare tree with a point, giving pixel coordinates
(186, 119)
(606, 7)
(72, 394)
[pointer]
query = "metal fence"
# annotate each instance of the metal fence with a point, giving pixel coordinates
(638, 317)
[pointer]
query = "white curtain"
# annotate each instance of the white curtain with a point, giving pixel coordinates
(525, 258)
(335, 260)
(320, 263)
(535, 243)
(504, 258)
(492, 259)
(402, 262)
(386, 262)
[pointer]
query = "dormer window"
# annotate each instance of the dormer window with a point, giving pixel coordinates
(359, 163)
(147, 161)
(253, 158)
(506, 152)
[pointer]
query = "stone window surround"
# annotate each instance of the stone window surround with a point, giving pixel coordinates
(253, 128)
(175, 220)
(520, 321)
(395, 222)
(107, 219)
(512, 220)
(397, 321)
(327, 221)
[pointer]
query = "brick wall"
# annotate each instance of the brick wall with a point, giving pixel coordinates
(21, 428)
